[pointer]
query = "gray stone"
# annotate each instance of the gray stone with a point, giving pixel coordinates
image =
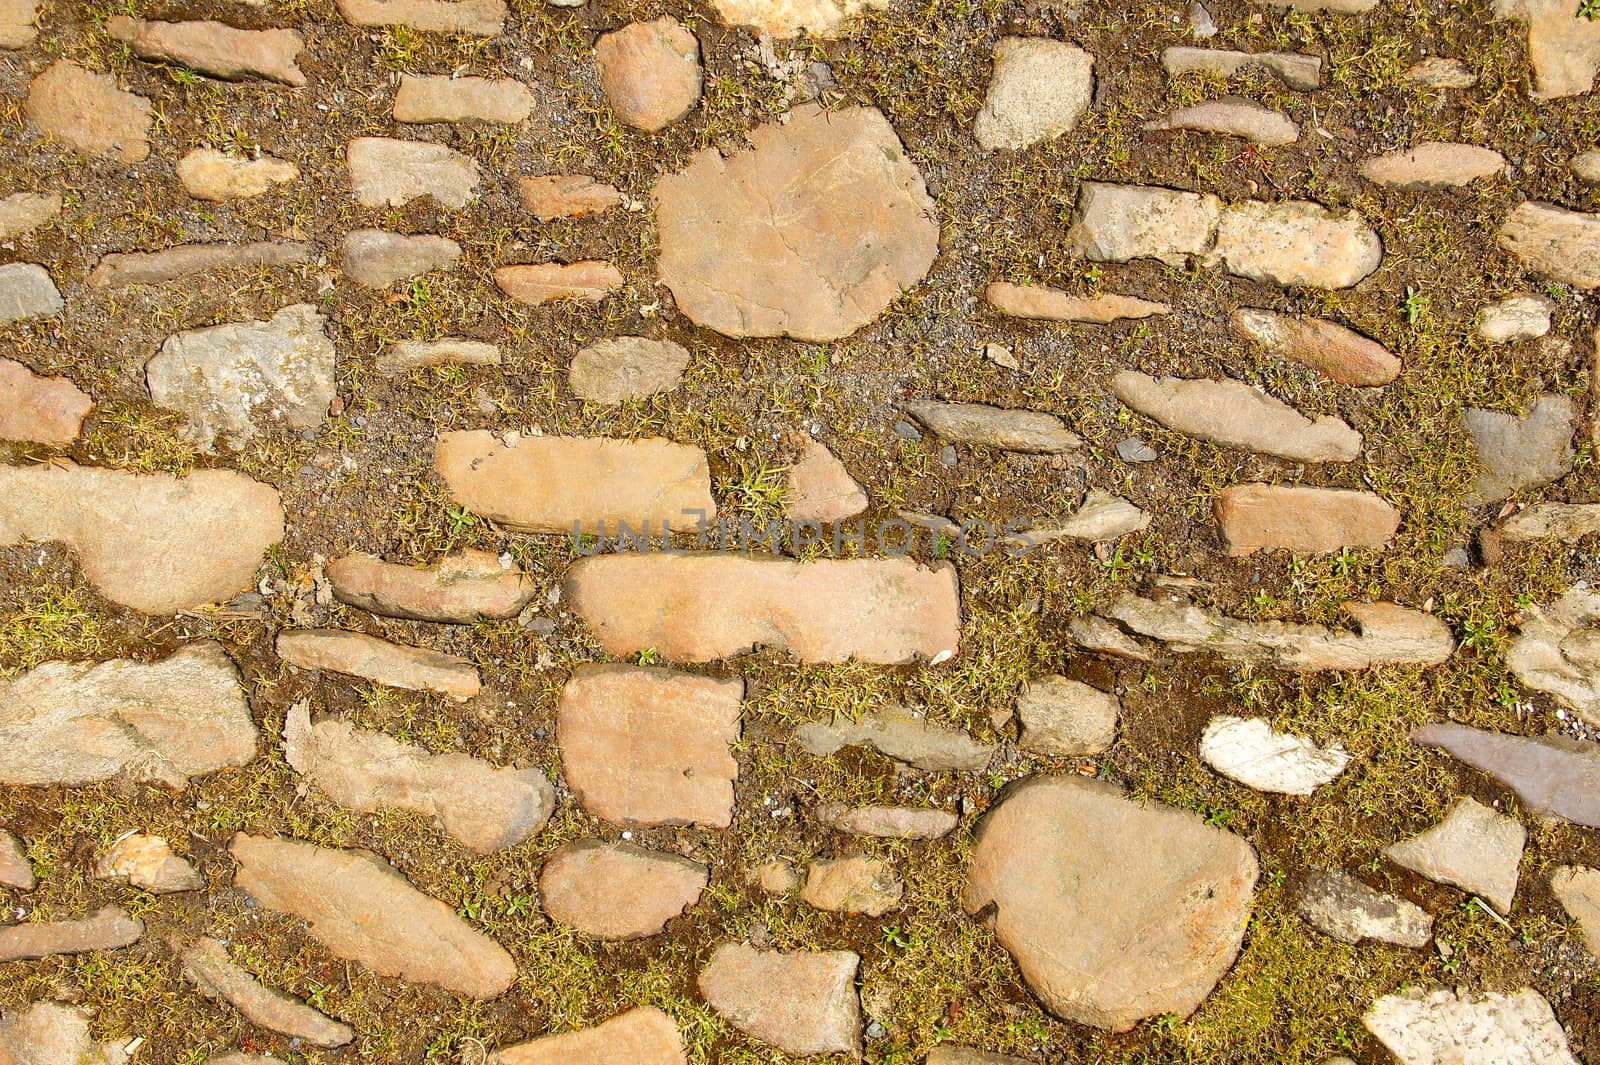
(26, 291)
(1134, 449)
(1434, 1027)
(374, 258)
(1517, 453)
(1293, 69)
(1433, 165)
(1008, 430)
(1521, 317)
(478, 18)
(106, 929)
(1557, 650)
(618, 891)
(441, 98)
(23, 212)
(480, 805)
(802, 1002)
(186, 260)
(617, 369)
(147, 862)
(230, 379)
(385, 172)
(897, 733)
(887, 822)
(1578, 891)
(1552, 521)
(406, 355)
(53, 1033)
(1473, 848)
(1295, 243)
(1232, 116)
(1120, 223)
(1339, 905)
(1101, 516)
(1096, 634)
(1234, 414)
(15, 872)
(1552, 775)
(1585, 167)
(856, 884)
(1554, 242)
(1039, 90)
(1252, 752)
(214, 48)
(1066, 718)
(206, 965)
(89, 113)
(166, 721)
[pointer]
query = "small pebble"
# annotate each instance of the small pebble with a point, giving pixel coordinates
(907, 431)
(1457, 558)
(1135, 450)
(947, 455)
(875, 1030)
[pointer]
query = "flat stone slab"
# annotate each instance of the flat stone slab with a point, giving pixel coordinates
(403, 356)
(361, 909)
(186, 260)
(107, 929)
(1232, 116)
(232, 379)
(552, 196)
(642, 1036)
(789, 18)
(214, 48)
(424, 98)
(1008, 430)
(16, 24)
(477, 18)
(1386, 634)
(617, 369)
(28, 291)
(1554, 242)
(650, 746)
(23, 212)
(1518, 452)
(1038, 90)
(1107, 934)
(40, 410)
(1557, 651)
(1234, 414)
(78, 722)
(480, 805)
(385, 172)
(376, 259)
(1473, 848)
(208, 174)
(856, 884)
(702, 607)
(898, 733)
(1431, 1027)
(802, 1002)
(809, 234)
(1294, 69)
(650, 72)
(1295, 243)
(206, 965)
(1578, 891)
(1563, 47)
(52, 1033)
(1434, 165)
(153, 542)
(1066, 718)
(1256, 517)
(397, 665)
(887, 822)
(89, 113)
(820, 488)
(1552, 775)
(573, 485)
(1053, 305)
(1344, 355)
(148, 862)
(588, 280)
(1252, 752)
(1339, 905)
(1441, 72)
(951, 1054)
(1551, 521)
(15, 870)
(1521, 317)
(461, 588)
(617, 890)
(1120, 223)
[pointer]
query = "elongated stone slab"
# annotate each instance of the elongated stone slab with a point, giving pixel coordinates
(1009, 430)
(1232, 116)
(1346, 356)
(106, 929)
(1295, 243)
(1054, 305)
(1294, 69)
(1553, 775)
(588, 280)
(206, 964)
(479, 18)
(214, 48)
(461, 588)
(569, 484)
(1265, 517)
(428, 98)
(696, 608)
(363, 910)
(1434, 164)
(407, 355)
(186, 260)
(1234, 414)
(1555, 242)
(388, 172)
(397, 665)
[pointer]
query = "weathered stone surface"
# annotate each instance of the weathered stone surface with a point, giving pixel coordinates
(78, 722)
(40, 410)
(385, 172)
(898, 733)
(642, 1036)
(425, 98)
(1578, 891)
(479, 18)
(1009, 430)
(1585, 167)
(214, 48)
(567, 484)
(374, 258)
(153, 542)
(776, 877)
(789, 18)
(810, 234)
(591, 280)
(406, 355)
(1386, 634)
(1347, 357)
(855, 884)
(1521, 317)
(553, 196)
(1256, 517)
(1252, 752)
(1551, 521)
(1120, 223)
(1066, 717)
(802, 1002)
(650, 746)
(363, 910)
(1553, 775)
(1234, 414)
(1039, 90)
(26, 291)
(1563, 47)
(618, 890)
(230, 378)
(208, 174)
(23, 212)
(1096, 634)
(615, 369)
(1439, 72)
(465, 587)
(1517, 453)
(53, 1033)
(1473, 848)
(185, 260)
(819, 486)
(1054, 305)
(950, 1054)
(89, 113)
(1232, 116)
(148, 862)
(700, 607)
(650, 72)
(206, 965)
(1339, 905)
(1555, 242)
(1423, 1027)
(1295, 243)
(1557, 650)
(16, 23)
(15, 872)
(106, 929)
(1106, 933)
(1293, 69)
(887, 822)
(1101, 516)
(1434, 164)
(396, 665)
(480, 805)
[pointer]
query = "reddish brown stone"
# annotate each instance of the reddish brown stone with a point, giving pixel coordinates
(590, 279)
(1255, 517)
(40, 410)
(1054, 305)
(462, 588)
(89, 113)
(214, 48)
(618, 890)
(106, 929)
(1349, 358)
(802, 1002)
(855, 884)
(643, 1036)
(650, 72)
(394, 664)
(554, 196)
(207, 965)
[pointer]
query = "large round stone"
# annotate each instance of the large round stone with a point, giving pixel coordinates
(1114, 910)
(810, 234)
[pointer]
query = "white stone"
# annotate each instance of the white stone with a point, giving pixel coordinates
(1443, 1027)
(1250, 751)
(1039, 90)
(1521, 317)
